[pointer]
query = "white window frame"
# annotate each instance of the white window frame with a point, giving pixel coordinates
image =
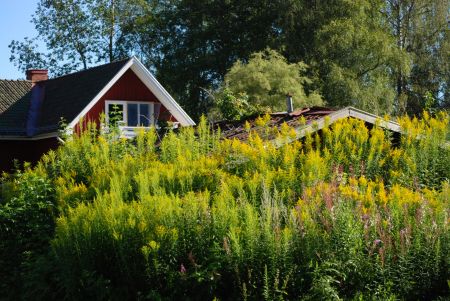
(124, 103)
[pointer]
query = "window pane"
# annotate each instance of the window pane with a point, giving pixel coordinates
(132, 114)
(144, 115)
(115, 113)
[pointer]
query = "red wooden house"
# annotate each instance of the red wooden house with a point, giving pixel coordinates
(31, 110)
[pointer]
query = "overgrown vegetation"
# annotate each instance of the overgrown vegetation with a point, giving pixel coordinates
(347, 214)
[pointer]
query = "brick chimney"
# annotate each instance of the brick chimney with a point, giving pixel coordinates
(36, 75)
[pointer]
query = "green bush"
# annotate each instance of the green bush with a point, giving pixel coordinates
(27, 220)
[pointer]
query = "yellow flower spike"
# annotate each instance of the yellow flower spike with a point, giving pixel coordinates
(353, 182)
(259, 122)
(425, 116)
(153, 245)
(247, 126)
(292, 133)
(174, 233)
(284, 129)
(145, 251)
(346, 191)
(302, 120)
(160, 230)
(365, 210)
(362, 181)
(116, 235)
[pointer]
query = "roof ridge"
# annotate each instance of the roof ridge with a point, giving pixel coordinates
(89, 69)
(15, 80)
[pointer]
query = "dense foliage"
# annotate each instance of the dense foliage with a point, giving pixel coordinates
(267, 78)
(352, 213)
(384, 56)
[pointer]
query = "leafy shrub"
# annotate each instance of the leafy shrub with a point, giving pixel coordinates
(27, 219)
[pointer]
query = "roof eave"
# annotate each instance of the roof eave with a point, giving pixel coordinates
(32, 138)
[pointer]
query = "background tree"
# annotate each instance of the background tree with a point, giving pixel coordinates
(267, 78)
(231, 106)
(79, 33)
(357, 59)
(350, 49)
(25, 55)
(379, 55)
(69, 32)
(198, 41)
(420, 27)
(119, 22)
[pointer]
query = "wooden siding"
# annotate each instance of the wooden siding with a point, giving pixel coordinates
(130, 88)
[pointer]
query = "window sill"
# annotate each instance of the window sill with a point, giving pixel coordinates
(131, 131)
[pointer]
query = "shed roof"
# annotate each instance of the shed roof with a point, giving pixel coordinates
(303, 121)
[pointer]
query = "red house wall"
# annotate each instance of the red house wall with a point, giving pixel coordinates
(128, 87)
(23, 151)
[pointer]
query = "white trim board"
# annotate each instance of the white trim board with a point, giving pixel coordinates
(151, 83)
(102, 92)
(161, 94)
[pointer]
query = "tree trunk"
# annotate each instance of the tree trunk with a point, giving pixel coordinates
(111, 34)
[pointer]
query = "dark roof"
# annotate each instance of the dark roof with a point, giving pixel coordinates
(239, 129)
(68, 95)
(11, 91)
(15, 98)
(64, 97)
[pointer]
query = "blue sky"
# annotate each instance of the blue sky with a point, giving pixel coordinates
(15, 17)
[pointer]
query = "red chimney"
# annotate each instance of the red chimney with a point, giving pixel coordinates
(37, 75)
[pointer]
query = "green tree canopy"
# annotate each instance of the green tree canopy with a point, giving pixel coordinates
(79, 33)
(420, 28)
(267, 78)
(380, 55)
(357, 58)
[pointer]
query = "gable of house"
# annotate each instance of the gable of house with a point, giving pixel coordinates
(129, 88)
(33, 111)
